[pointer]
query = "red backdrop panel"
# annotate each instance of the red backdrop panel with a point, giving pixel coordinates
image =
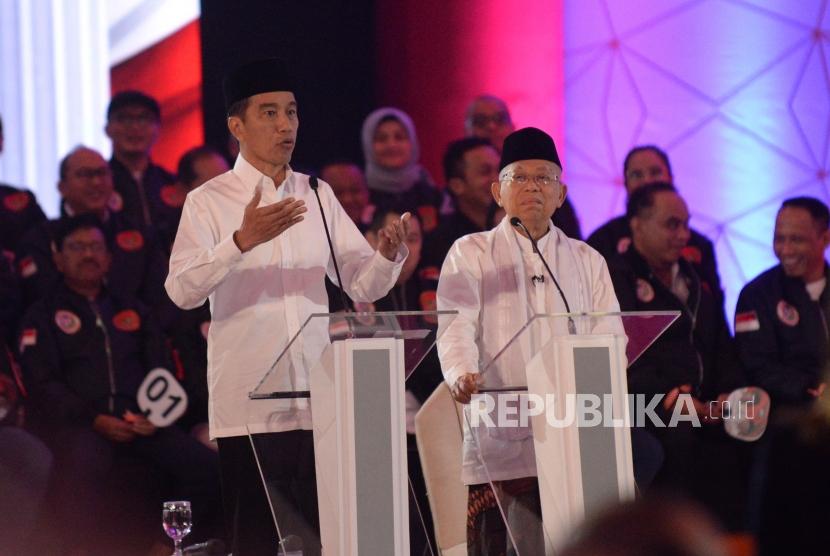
(171, 72)
(431, 66)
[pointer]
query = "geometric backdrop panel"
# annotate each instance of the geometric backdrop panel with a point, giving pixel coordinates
(736, 91)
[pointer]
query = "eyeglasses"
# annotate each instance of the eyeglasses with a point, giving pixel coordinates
(78, 247)
(89, 173)
(481, 120)
(138, 119)
(542, 180)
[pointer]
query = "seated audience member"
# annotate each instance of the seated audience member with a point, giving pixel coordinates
(139, 265)
(695, 356)
(84, 352)
(25, 468)
(145, 192)
(19, 211)
(471, 166)
(199, 165)
(395, 178)
(486, 277)
(782, 316)
(644, 165)
(349, 185)
(488, 117)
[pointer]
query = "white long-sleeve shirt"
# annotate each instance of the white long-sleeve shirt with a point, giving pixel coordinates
(260, 299)
(486, 277)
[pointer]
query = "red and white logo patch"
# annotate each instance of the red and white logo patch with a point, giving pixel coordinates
(116, 202)
(130, 240)
(127, 321)
(787, 313)
(691, 254)
(172, 196)
(27, 267)
(16, 202)
(623, 244)
(747, 322)
(67, 321)
(429, 302)
(28, 338)
(430, 273)
(645, 292)
(429, 217)
(205, 329)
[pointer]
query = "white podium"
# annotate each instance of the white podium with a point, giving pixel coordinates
(346, 374)
(559, 410)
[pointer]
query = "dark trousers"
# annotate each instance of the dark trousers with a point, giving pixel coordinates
(286, 460)
(107, 492)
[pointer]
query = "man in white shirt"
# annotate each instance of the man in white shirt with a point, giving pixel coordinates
(497, 283)
(249, 243)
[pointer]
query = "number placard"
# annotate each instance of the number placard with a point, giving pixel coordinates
(161, 398)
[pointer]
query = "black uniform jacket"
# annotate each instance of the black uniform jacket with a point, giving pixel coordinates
(696, 349)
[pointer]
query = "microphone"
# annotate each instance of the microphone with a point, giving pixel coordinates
(516, 222)
(312, 181)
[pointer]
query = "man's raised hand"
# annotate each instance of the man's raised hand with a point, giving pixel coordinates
(261, 224)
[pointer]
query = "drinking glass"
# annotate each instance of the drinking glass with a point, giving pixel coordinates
(177, 521)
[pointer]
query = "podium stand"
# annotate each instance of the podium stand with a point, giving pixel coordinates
(344, 375)
(558, 410)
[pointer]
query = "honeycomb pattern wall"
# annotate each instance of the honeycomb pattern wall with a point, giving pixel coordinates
(736, 91)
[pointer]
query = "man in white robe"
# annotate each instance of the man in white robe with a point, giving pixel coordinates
(497, 283)
(252, 242)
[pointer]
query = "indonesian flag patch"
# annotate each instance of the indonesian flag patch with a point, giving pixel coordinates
(28, 338)
(747, 322)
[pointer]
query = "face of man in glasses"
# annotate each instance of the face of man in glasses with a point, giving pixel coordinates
(489, 119)
(86, 184)
(531, 190)
(133, 130)
(83, 258)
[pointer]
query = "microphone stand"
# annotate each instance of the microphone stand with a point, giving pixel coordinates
(517, 222)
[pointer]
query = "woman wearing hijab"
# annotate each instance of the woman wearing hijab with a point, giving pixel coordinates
(395, 178)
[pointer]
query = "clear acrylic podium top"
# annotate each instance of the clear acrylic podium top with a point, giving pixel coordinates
(288, 376)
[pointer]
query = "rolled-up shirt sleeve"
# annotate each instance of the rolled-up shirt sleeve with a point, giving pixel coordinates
(200, 260)
(459, 290)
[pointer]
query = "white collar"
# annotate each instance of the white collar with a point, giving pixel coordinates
(251, 177)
